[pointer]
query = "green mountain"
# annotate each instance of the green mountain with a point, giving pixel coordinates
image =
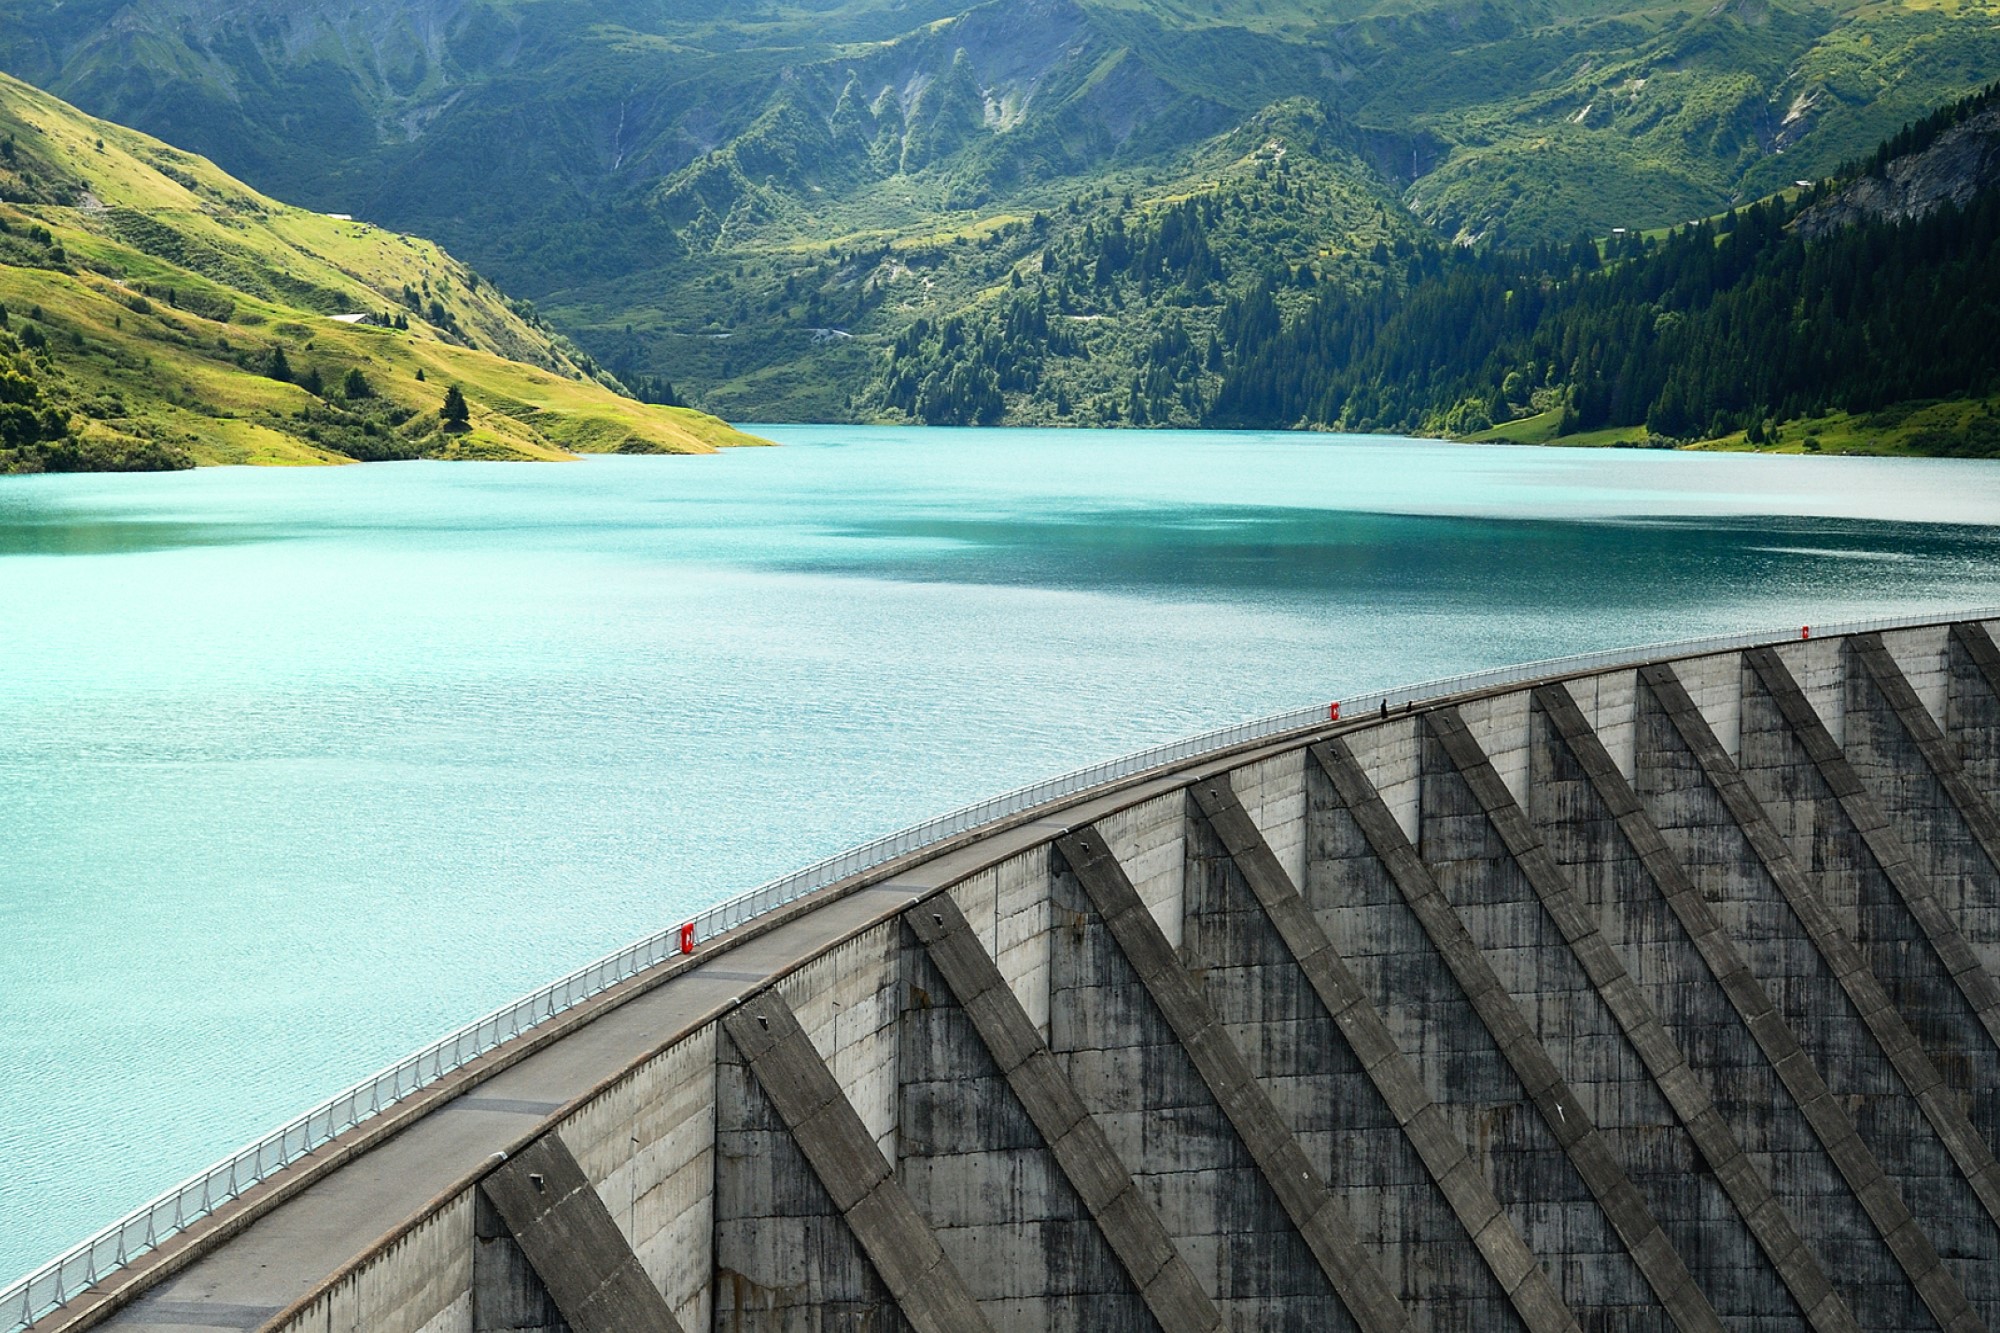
(155, 312)
(1861, 309)
(762, 200)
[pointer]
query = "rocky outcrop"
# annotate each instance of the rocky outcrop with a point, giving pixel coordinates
(1963, 161)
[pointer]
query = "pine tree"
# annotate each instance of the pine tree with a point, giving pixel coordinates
(457, 416)
(278, 367)
(356, 385)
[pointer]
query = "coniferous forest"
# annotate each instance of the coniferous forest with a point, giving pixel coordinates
(1806, 304)
(1731, 324)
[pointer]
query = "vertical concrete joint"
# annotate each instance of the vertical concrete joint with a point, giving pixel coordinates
(573, 1244)
(928, 1290)
(1748, 1188)
(1224, 1071)
(1082, 1151)
(1637, 1229)
(1466, 1192)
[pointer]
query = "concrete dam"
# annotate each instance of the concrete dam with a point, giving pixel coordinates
(1657, 992)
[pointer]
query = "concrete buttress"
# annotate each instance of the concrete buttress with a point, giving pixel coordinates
(567, 1234)
(1823, 990)
(928, 1294)
(1693, 979)
(1670, 1299)
(1972, 705)
(1087, 1222)
(1353, 1100)
(1278, 1161)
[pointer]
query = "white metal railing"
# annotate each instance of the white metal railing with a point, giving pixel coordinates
(64, 1277)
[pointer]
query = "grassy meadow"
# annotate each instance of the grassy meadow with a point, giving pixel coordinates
(177, 316)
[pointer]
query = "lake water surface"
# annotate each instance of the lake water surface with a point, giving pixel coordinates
(299, 769)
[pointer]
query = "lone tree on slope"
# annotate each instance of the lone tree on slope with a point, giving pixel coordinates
(457, 416)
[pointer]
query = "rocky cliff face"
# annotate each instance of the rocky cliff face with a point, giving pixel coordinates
(1964, 160)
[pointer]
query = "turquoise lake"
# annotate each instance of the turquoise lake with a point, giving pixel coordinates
(300, 769)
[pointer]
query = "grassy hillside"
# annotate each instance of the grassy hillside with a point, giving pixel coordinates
(816, 331)
(682, 180)
(1113, 309)
(159, 313)
(1967, 427)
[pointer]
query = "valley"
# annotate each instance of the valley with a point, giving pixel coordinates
(752, 205)
(1018, 212)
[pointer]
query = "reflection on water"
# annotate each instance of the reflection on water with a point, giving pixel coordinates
(1322, 555)
(86, 535)
(301, 768)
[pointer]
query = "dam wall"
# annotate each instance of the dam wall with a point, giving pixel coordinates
(1659, 996)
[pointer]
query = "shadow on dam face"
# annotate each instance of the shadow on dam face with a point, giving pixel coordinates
(1662, 997)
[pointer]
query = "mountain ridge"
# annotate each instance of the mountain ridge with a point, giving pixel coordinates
(670, 171)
